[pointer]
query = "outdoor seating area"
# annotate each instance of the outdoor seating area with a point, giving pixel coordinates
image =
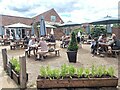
(75, 45)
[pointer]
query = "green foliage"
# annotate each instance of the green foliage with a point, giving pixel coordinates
(17, 68)
(14, 61)
(71, 70)
(87, 72)
(73, 46)
(43, 71)
(15, 64)
(99, 71)
(64, 70)
(96, 32)
(56, 73)
(78, 30)
(80, 72)
(93, 70)
(111, 71)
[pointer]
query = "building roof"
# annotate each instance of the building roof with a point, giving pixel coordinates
(8, 20)
(47, 16)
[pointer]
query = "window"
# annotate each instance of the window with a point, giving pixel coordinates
(53, 18)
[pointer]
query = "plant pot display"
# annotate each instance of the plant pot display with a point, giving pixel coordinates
(69, 76)
(72, 49)
(14, 70)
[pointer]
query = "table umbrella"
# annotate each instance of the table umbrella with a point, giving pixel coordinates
(42, 27)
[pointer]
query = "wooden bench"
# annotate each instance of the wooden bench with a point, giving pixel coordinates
(12, 47)
(42, 53)
(116, 52)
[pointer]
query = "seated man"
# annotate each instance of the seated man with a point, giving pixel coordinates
(31, 45)
(94, 46)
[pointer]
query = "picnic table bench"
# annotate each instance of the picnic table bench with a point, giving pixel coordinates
(42, 53)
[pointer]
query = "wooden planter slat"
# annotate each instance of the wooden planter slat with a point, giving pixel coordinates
(16, 77)
(84, 82)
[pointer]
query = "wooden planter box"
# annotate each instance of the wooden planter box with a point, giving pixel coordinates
(9, 70)
(16, 77)
(77, 83)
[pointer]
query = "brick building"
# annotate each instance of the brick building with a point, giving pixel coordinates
(51, 17)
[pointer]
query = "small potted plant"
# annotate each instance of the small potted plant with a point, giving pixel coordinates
(72, 48)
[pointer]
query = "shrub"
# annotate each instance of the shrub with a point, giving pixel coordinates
(73, 46)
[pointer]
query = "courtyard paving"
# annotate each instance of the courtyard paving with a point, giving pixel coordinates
(84, 59)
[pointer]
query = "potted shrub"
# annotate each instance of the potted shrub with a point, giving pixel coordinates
(69, 76)
(72, 48)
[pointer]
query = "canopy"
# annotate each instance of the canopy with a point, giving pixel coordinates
(106, 20)
(18, 25)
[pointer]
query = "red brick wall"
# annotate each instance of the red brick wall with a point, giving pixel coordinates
(116, 31)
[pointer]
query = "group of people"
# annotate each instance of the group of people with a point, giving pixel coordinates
(65, 41)
(103, 45)
(33, 43)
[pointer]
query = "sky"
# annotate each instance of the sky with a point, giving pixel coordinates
(79, 11)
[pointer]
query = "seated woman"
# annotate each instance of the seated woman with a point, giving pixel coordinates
(115, 43)
(44, 47)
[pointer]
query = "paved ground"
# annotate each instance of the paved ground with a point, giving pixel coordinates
(84, 59)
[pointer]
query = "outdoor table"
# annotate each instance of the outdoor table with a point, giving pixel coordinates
(51, 44)
(34, 48)
(104, 46)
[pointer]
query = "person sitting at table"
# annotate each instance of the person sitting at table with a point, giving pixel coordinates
(31, 45)
(44, 47)
(101, 38)
(52, 38)
(115, 43)
(94, 46)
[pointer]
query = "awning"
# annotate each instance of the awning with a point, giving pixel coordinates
(18, 25)
(106, 20)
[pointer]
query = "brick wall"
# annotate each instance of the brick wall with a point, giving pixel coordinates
(116, 31)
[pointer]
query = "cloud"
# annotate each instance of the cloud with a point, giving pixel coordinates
(76, 11)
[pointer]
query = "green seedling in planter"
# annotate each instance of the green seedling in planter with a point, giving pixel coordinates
(43, 72)
(111, 71)
(100, 71)
(71, 70)
(80, 72)
(64, 70)
(17, 68)
(104, 70)
(14, 62)
(49, 73)
(93, 70)
(56, 73)
(87, 72)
